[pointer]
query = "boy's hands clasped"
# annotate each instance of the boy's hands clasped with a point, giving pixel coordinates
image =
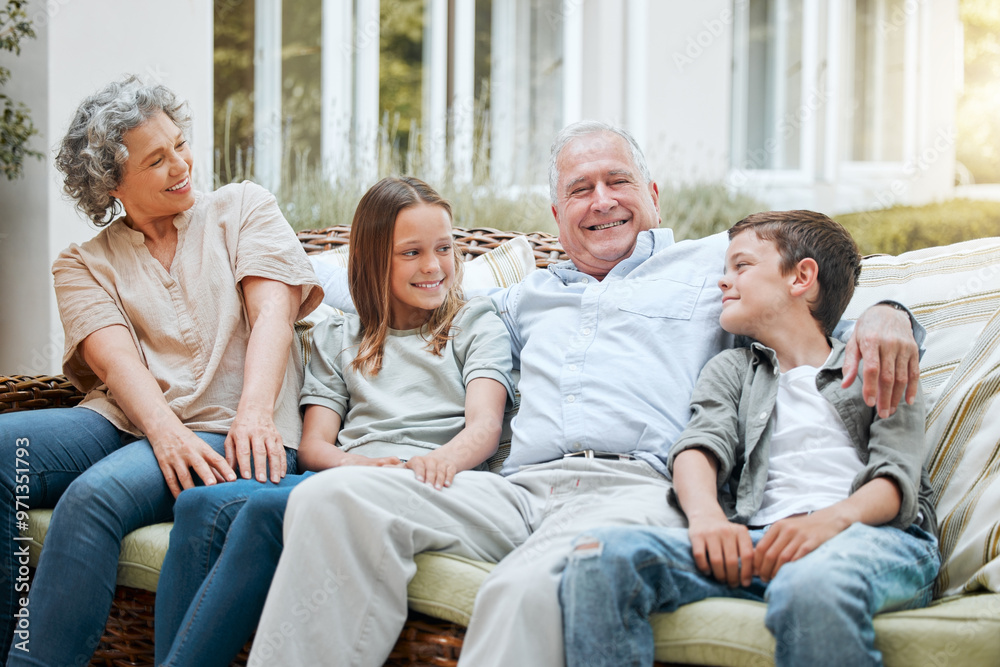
(720, 546)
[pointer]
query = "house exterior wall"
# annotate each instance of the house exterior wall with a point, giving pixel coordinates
(689, 103)
(690, 82)
(686, 75)
(80, 47)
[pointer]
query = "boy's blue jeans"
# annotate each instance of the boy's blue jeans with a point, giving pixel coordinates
(819, 608)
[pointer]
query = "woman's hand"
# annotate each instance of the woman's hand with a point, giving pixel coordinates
(253, 433)
(113, 357)
(180, 451)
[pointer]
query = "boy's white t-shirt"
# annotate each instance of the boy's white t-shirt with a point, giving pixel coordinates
(812, 461)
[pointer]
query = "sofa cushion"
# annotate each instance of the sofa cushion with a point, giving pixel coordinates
(959, 632)
(954, 292)
(141, 557)
(445, 585)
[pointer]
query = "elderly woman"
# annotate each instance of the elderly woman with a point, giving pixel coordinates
(178, 318)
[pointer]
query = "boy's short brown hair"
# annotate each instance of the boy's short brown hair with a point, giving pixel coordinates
(801, 234)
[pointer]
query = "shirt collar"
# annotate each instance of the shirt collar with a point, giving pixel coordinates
(834, 362)
(647, 243)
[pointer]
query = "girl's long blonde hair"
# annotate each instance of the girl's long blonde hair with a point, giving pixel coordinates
(369, 263)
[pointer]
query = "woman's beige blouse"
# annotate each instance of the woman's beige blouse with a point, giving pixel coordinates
(189, 324)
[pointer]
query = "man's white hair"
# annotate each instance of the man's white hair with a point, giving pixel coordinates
(583, 128)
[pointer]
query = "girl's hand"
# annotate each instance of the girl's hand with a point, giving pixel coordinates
(253, 432)
(436, 469)
(180, 451)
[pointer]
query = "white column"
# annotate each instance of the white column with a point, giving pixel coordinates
(366, 115)
(810, 98)
(572, 28)
(435, 89)
(835, 49)
(502, 100)
(876, 85)
(463, 90)
(337, 87)
(778, 67)
(267, 93)
(917, 45)
(741, 73)
(636, 57)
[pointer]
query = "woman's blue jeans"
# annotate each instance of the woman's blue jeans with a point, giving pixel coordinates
(102, 487)
(819, 608)
(223, 552)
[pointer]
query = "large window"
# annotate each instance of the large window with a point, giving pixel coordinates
(774, 86)
(823, 87)
(875, 115)
(464, 89)
(770, 84)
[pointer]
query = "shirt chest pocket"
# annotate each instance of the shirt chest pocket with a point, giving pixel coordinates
(674, 299)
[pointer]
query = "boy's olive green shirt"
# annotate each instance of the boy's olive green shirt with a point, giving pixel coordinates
(731, 417)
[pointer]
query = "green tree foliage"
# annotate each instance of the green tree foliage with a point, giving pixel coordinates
(401, 44)
(978, 116)
(234, 25)
(302, 94)
(16, 127)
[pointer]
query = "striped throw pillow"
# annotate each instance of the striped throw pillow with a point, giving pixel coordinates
(954, 292)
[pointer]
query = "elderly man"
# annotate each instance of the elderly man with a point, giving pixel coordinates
(609, 346)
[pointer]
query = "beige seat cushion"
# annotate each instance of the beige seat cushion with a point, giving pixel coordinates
(959, 632)
(142, 550)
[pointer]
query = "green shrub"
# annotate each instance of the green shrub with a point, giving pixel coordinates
(696, 211)
(312, 202)
(902, 228)
(16, 127)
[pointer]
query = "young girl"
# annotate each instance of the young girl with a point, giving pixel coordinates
(418, 379)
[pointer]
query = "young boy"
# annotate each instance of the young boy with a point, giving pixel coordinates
(796, 492)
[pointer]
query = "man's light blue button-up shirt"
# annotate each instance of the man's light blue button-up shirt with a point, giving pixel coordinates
(610, 365)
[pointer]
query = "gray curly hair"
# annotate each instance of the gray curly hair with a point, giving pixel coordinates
(93, 153)
(581, 129)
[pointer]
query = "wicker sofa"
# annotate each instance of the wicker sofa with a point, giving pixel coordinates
(963, 628)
